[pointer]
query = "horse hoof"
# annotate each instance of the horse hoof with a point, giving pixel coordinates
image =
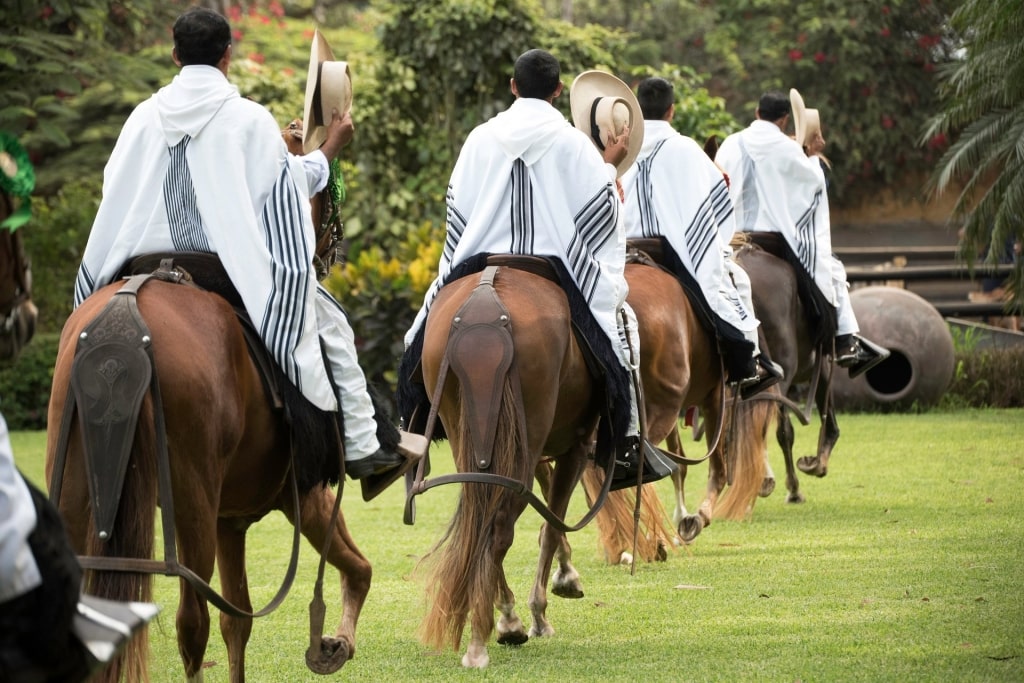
(795, 498)
(542, 632)
(513, 638)
(333, 654)
(690, 528)
(811, 465)
(573, 591)
(662, 553)
(478, 660)
(767, 488)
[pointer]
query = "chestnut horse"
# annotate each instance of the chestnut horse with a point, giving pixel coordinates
(788, 336)
(229, 457)
(519, 389)
(17, 312)
(680, 367)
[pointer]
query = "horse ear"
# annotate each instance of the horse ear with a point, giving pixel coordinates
(711, 146)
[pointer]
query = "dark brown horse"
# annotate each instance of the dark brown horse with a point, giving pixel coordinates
(519, 389)
(17, 312)
(229, 463)
(680, 367)
(778, 306)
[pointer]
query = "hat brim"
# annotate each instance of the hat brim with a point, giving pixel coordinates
(314, 133)
(796, 102)
(590, 85)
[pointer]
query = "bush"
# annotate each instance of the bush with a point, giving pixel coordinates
(987, 378)
(25, 384)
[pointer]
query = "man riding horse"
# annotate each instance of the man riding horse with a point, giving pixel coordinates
(777, 188)
(199, 168)
(527, 182)
(676, 192)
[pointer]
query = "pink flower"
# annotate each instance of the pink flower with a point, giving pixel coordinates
(234, 13)
(236, 35)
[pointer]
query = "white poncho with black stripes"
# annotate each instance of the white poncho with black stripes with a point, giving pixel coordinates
(775, 187)
(527, 182)
(197, 167)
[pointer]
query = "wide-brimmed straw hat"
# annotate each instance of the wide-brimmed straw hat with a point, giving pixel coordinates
(601, 106)
(806, 122)
(328, 87)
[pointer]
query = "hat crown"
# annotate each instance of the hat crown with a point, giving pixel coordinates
(328, 87)
(602, 106)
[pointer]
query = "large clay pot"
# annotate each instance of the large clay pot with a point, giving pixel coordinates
(922, 361)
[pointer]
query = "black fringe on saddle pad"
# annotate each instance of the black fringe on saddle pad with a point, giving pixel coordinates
(411, 394)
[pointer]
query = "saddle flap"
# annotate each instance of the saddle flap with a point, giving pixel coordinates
(110, 377)
(480, 352)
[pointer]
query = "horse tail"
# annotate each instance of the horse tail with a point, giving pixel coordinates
(751, 421)
(133, 537)
(615, 522)
(465, 565)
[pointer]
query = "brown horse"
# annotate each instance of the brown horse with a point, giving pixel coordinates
(519, 389)
(229, 457)
(17, 312)
(788, 338)
(680, 367)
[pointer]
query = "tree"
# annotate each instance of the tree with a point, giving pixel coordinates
(982, 99)
(869, 67)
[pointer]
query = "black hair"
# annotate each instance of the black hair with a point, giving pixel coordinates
(656, 96)
(536, 74)
(201, 36)
(773, 105)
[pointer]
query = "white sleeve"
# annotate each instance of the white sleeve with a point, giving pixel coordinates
(18, 571)
(317, 171)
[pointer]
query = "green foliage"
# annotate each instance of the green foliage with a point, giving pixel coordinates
(982, 108)
(381, 295)
(869, 67)
(55, 240)
(986, 378)
(25, 383)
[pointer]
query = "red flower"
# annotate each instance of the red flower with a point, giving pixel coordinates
(885, 9)
(46, 12)
(866, 91)
(887, 122)
(929, 67)
(257, 57)
(819, 57)
(795, 55)
(234, 13)
(886, 32)
(938, 140)
(276, 9)
(236, 35)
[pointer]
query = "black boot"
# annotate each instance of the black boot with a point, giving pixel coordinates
(655, 466)
(858, 354)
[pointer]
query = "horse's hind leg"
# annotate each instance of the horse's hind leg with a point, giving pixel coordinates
(828, 435)
(563, 481)
(566, 581)
(343, 554)
(785, 435)
(235, 586)
(675, 445)
(193, 618)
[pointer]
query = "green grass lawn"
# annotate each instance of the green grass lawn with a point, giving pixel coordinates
(906, 563)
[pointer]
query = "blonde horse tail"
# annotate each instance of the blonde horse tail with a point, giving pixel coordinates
(615, 521)
(133, 537)
(464, 567)
(752, 420)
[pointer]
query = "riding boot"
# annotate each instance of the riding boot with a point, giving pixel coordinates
(857, 354)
